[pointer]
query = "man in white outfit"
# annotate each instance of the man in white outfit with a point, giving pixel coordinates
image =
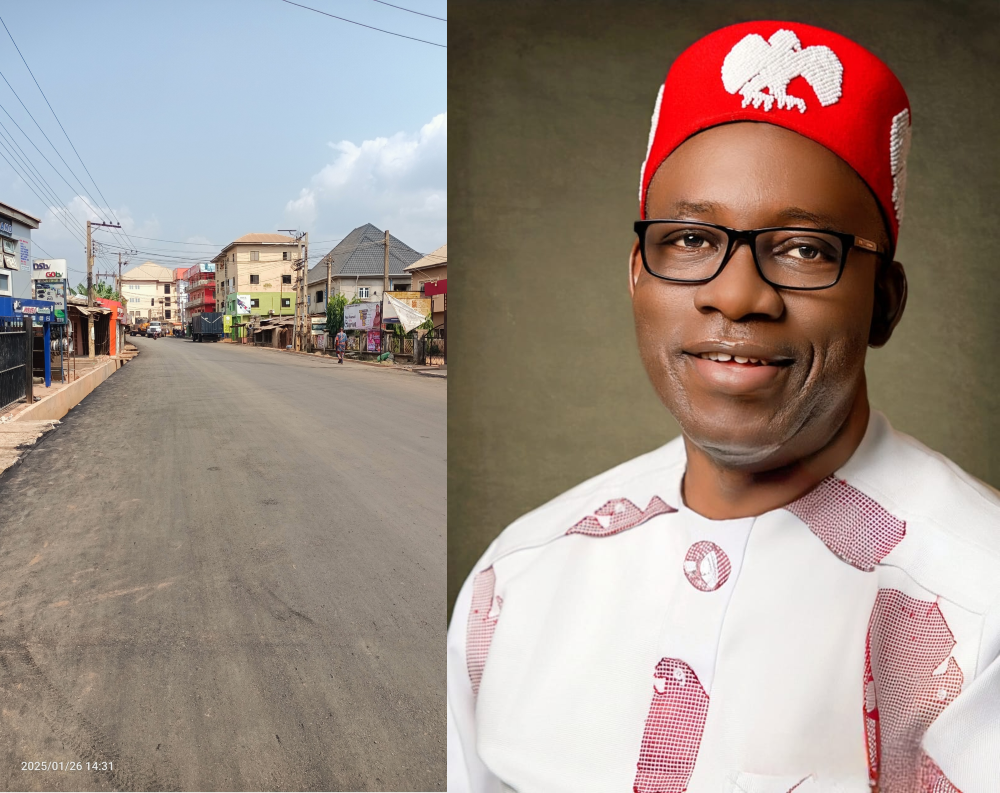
(792, 595)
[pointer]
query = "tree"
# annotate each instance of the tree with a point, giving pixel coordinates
(335, 313)
(101, 290)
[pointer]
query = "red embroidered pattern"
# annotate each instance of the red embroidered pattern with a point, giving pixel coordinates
(706, 566)
(907, 640)
(481, 625)
(850, 524)
(933, 780)
(619, 515)
(673, 729)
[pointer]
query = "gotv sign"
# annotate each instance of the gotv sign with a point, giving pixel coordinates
(42, 269)
(6, 227)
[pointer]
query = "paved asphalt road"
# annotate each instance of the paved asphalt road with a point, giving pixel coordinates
(226, 570)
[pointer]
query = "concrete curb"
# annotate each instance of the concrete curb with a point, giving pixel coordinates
(60, 403)
(332, 359)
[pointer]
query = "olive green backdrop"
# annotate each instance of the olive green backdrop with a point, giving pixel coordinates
(549, 106)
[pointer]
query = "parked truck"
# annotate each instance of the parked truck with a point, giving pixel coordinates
(207, 326)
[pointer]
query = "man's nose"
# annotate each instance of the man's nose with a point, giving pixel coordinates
(739, 292)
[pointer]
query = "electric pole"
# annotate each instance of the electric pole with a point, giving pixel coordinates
(329, 285)
(385, 288)
(307, 321)
(300, 286)
(90, 282)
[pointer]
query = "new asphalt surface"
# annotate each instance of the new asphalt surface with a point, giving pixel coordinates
(226, 570)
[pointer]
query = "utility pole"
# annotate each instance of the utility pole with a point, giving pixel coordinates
(302, 237)
(307, 322)
(90, 283)
(329, 286)
(385, 288)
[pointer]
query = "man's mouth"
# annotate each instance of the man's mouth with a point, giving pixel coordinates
(725, 357)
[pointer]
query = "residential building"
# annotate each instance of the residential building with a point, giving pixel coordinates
(16, 259)
(358, 264)
(150, 291)
(260, 268)
(430, 278)
(200, 287)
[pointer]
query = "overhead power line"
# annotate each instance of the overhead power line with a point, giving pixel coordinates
(370, 27)
(85, 168)
(411, 11)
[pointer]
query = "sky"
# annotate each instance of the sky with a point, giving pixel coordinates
(200, 122)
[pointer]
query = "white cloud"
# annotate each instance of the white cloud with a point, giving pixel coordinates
(399, 183)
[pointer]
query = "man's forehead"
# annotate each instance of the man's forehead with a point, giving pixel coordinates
(683, 209)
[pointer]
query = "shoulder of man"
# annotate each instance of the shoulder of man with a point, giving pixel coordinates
(631, 486)
(952, 520)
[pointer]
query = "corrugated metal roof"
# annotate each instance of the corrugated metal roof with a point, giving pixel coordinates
(433, 259)
(361, 253)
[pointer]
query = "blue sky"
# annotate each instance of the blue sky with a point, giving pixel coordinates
(204, 121)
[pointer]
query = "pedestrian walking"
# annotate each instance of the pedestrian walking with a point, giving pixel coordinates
(340, 344)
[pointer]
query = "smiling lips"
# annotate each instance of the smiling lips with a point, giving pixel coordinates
(736, 375)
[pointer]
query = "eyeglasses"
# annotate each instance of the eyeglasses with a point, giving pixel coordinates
(787, 258)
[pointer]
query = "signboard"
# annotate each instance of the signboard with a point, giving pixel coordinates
(227, 323)
(39, 310)
(362, 316)
(53, 292)
(406, 312)
(6, 226)
(374, 341)
(319, 341)
(11, 254)
(48, 269)
(432, 288)
(242, 304)
(413, 300)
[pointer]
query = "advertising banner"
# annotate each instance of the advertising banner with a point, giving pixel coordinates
(374, 341)
(242, 304)
(432, 288)
(362, 316)
(47, 269)
(408, 316)
(227, 323)
(25, 254)
(412, 300)
(54, 292)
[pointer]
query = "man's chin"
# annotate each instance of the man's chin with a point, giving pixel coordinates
(739, 444)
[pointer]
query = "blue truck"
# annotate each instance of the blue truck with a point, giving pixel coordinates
(207, 326)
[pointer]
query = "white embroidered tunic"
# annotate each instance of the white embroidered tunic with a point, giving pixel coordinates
(614, 640)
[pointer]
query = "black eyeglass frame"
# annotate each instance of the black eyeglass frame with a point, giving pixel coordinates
(749, 236)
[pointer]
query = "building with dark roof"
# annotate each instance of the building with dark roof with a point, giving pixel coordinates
(357, 268)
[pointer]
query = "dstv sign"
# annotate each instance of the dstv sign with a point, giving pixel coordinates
(44, 269)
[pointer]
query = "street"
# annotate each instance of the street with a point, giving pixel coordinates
(226, 570)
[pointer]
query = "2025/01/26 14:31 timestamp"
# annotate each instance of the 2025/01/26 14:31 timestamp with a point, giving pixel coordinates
(70, 765)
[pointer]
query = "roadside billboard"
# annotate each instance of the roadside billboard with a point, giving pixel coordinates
(53, 292)
(412, 300)
(242, 304)
(362, 316)
(48, 269)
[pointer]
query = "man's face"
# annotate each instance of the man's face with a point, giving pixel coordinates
(758, 417)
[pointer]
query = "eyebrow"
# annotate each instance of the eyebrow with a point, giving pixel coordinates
(684, 208)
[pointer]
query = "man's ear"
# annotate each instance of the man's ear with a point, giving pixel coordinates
(890, 300)
(634, 268)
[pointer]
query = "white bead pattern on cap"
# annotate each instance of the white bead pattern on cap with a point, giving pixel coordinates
(652, 134)
(899, 149)
(753, 65)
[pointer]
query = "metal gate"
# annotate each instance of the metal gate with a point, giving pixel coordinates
(15, 360)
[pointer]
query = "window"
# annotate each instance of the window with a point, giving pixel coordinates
(152, 301)
(286, 302)
(319, 298)
(254, 302)
(166, 289)
(362, 291)
(286, 279)
(4, 284)
(167, 313)
(254, 279)
(285, 256)
(255, 256)
(166, 301)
